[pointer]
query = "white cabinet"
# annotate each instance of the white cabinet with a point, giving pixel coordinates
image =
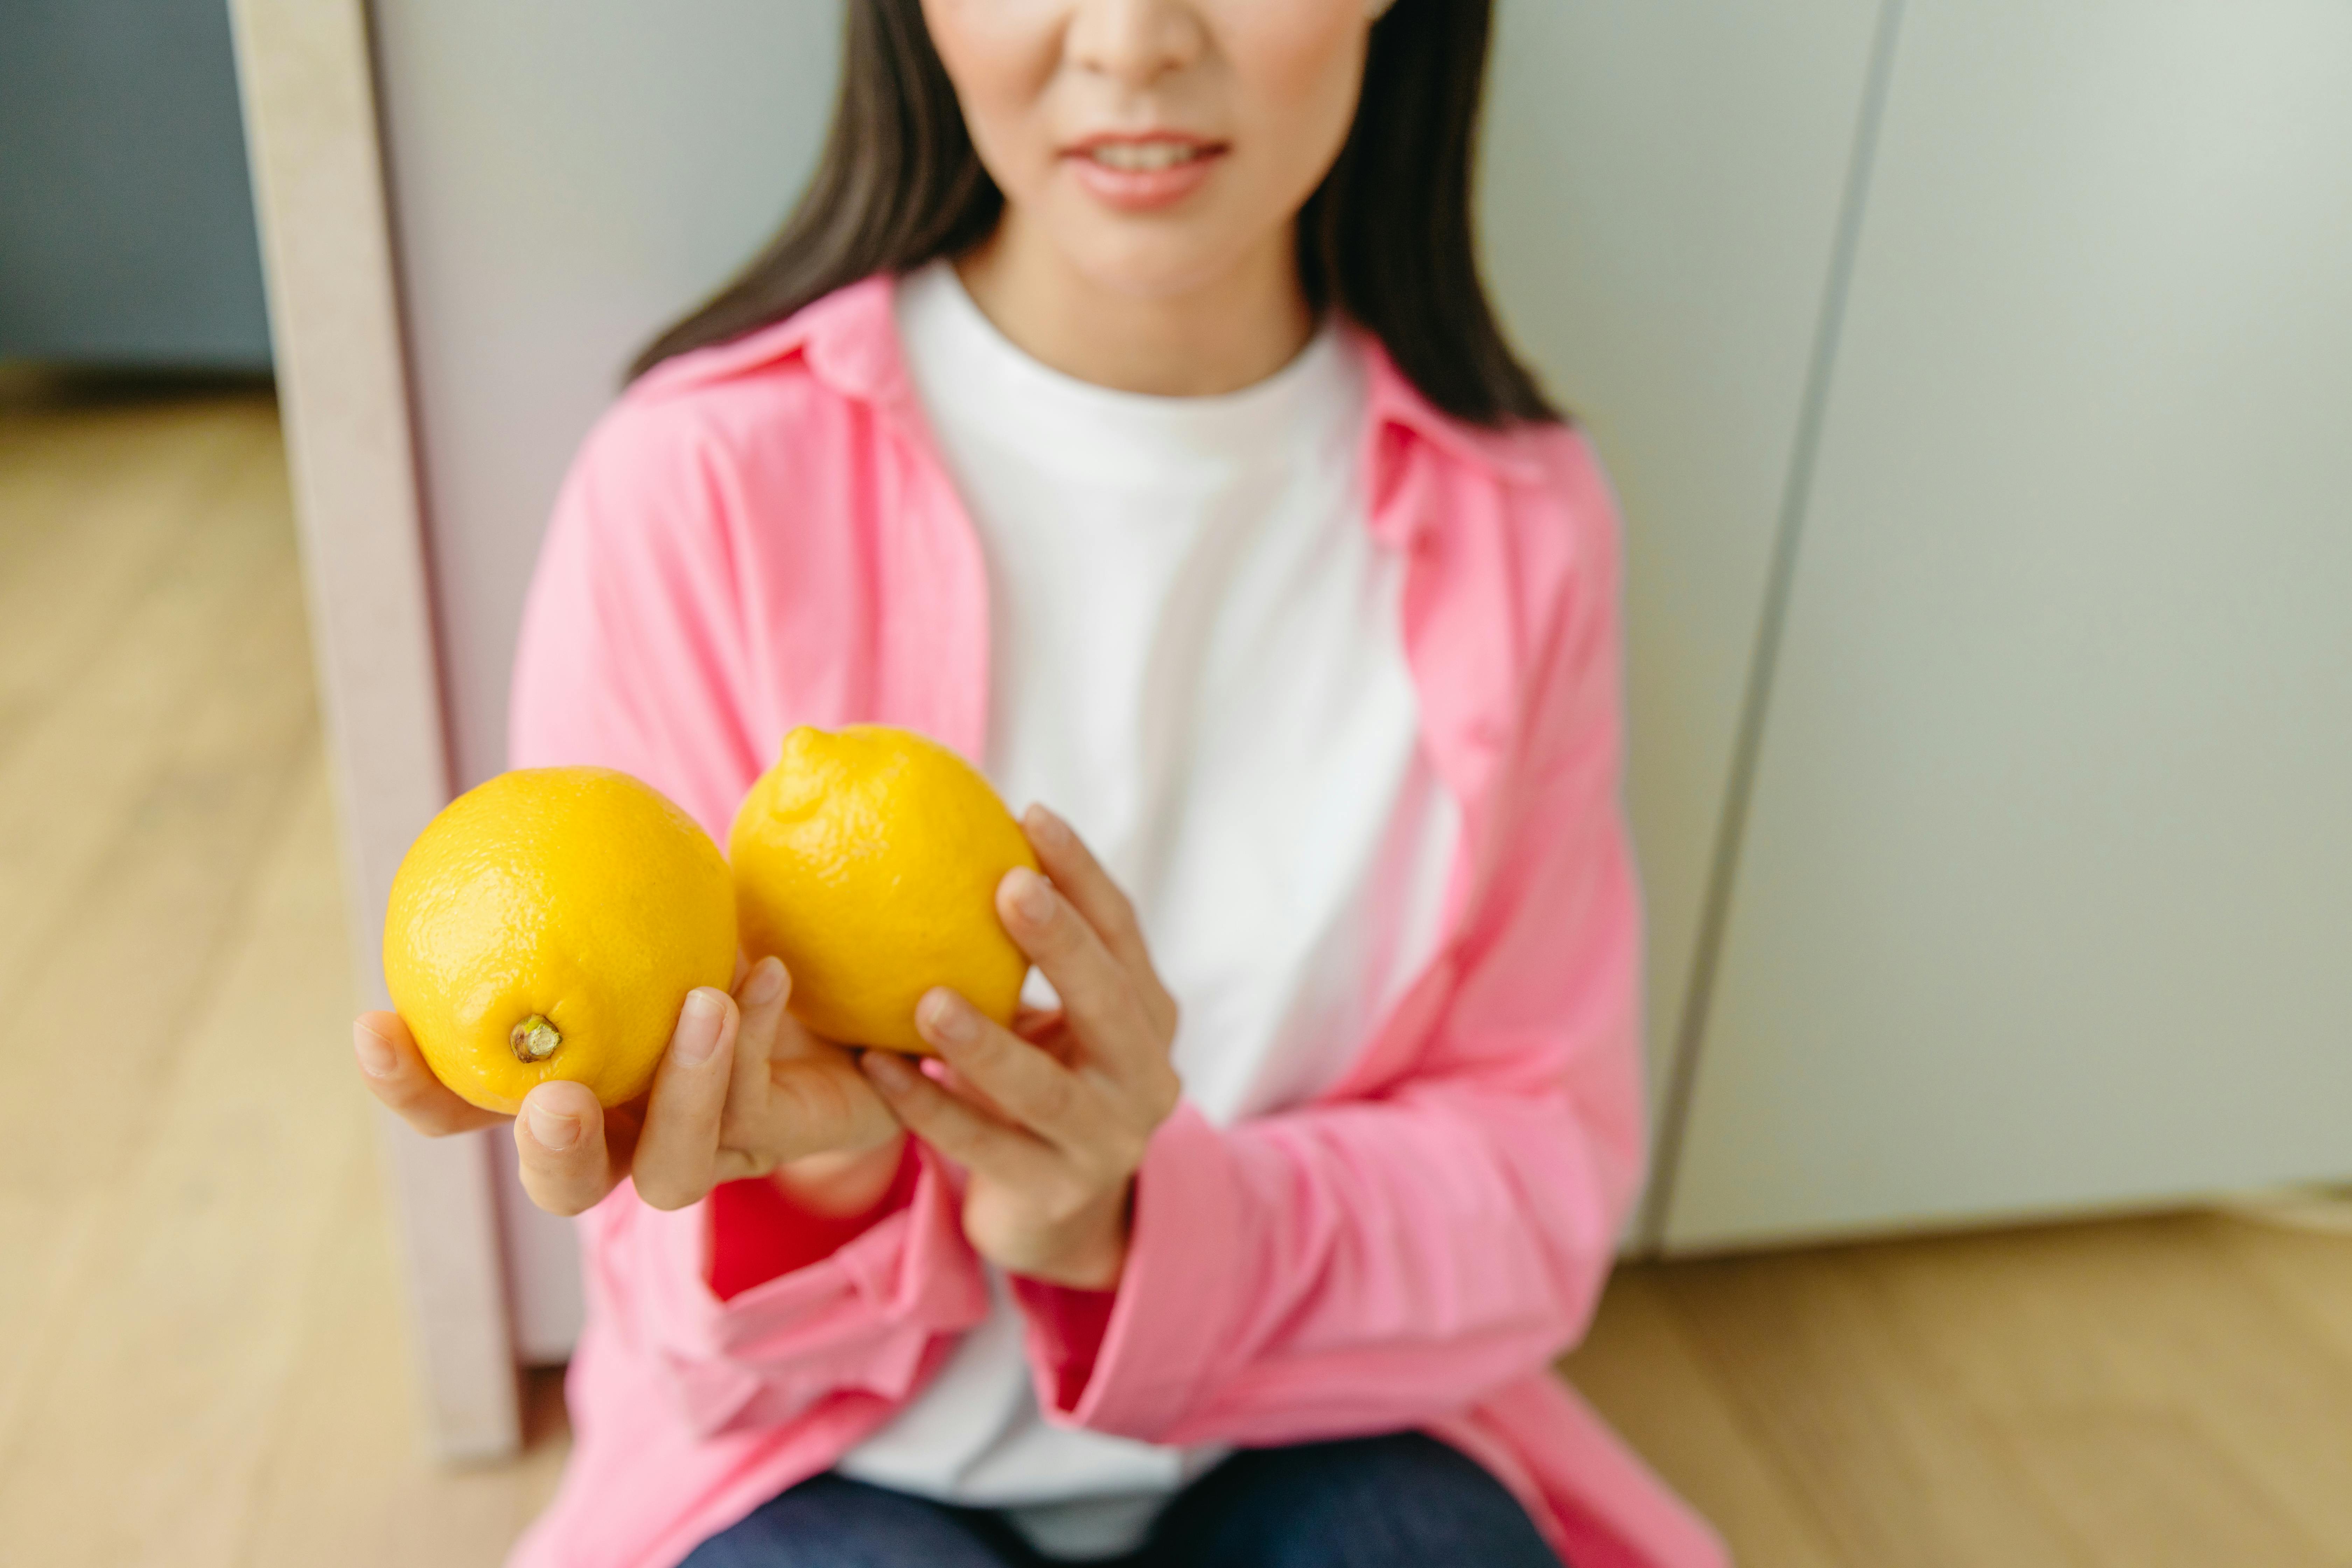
(2046, 896)
(1659, 196)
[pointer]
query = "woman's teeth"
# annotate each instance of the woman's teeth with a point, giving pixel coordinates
(1143, 157)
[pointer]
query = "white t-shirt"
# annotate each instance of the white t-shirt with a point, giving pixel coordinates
(1196, 658)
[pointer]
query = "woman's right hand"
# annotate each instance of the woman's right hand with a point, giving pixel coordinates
(743, 1091)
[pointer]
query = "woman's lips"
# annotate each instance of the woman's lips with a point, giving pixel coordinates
(1138, 174)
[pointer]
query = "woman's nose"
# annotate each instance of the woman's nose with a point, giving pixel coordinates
(1136, 41)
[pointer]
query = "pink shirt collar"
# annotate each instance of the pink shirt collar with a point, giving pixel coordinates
(850, 340)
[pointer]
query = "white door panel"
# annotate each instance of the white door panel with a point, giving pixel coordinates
(1661, 188)
(2047, 895)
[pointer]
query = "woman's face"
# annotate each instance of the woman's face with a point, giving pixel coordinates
(1156, 143)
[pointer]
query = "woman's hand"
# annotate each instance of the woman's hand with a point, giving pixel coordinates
(743, 1091)
(1050, 1122)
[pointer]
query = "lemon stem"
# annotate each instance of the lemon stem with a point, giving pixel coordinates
(534, 1039)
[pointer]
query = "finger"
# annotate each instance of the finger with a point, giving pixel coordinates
(394, 1072)
(793, 1094)
(676, 1157)
(1098, 899)
(1025, 1085)
(559, 1148)
(819, 1102)
(1029, 1023)
(1098, 993)
(954, 1129)
(759, 997)
(815, 1102)
(1050, 1032)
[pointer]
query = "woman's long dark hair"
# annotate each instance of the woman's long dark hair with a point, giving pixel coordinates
(1386, 236)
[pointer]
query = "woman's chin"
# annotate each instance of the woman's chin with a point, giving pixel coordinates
(1161, 259)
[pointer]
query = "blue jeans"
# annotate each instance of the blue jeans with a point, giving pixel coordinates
(1400, 1501)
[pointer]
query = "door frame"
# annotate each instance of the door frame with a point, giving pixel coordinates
(306, 78)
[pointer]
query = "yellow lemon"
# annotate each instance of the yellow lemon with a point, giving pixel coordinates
(867, 860)
(548, 924)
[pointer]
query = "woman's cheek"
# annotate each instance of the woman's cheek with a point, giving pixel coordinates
(1001, 56)
(1300, 68)
(1292, 51)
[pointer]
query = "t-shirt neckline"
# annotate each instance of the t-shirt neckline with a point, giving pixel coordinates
(960, 358)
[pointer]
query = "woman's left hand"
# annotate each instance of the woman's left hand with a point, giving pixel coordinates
(1051, 1122)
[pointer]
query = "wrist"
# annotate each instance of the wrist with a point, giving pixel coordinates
(841, 1182)
(1097, 1256)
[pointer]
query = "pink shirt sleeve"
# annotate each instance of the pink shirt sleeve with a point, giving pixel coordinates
(634, 654)
(1386, 1261)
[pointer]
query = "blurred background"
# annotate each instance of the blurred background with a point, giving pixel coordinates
(1977, 375)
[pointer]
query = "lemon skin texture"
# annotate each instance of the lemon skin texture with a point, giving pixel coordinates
(867, 860)
(548, 924)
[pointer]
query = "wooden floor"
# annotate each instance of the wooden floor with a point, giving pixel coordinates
(202, 1351)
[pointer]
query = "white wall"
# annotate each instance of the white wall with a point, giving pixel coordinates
(567, 177)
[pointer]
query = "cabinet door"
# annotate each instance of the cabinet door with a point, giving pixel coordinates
(1658, 200)
(2046, 902)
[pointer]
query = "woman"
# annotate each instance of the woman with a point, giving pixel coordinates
(1122, 407)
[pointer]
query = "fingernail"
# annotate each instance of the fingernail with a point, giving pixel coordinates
(1046, 825)
(943, 1015)
(891, 1069)
(553, 1130)
(1031, 896)
(767, 980)
(698, 1026)
(377, 1059)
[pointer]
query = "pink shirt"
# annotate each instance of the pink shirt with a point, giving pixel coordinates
(760, 536)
